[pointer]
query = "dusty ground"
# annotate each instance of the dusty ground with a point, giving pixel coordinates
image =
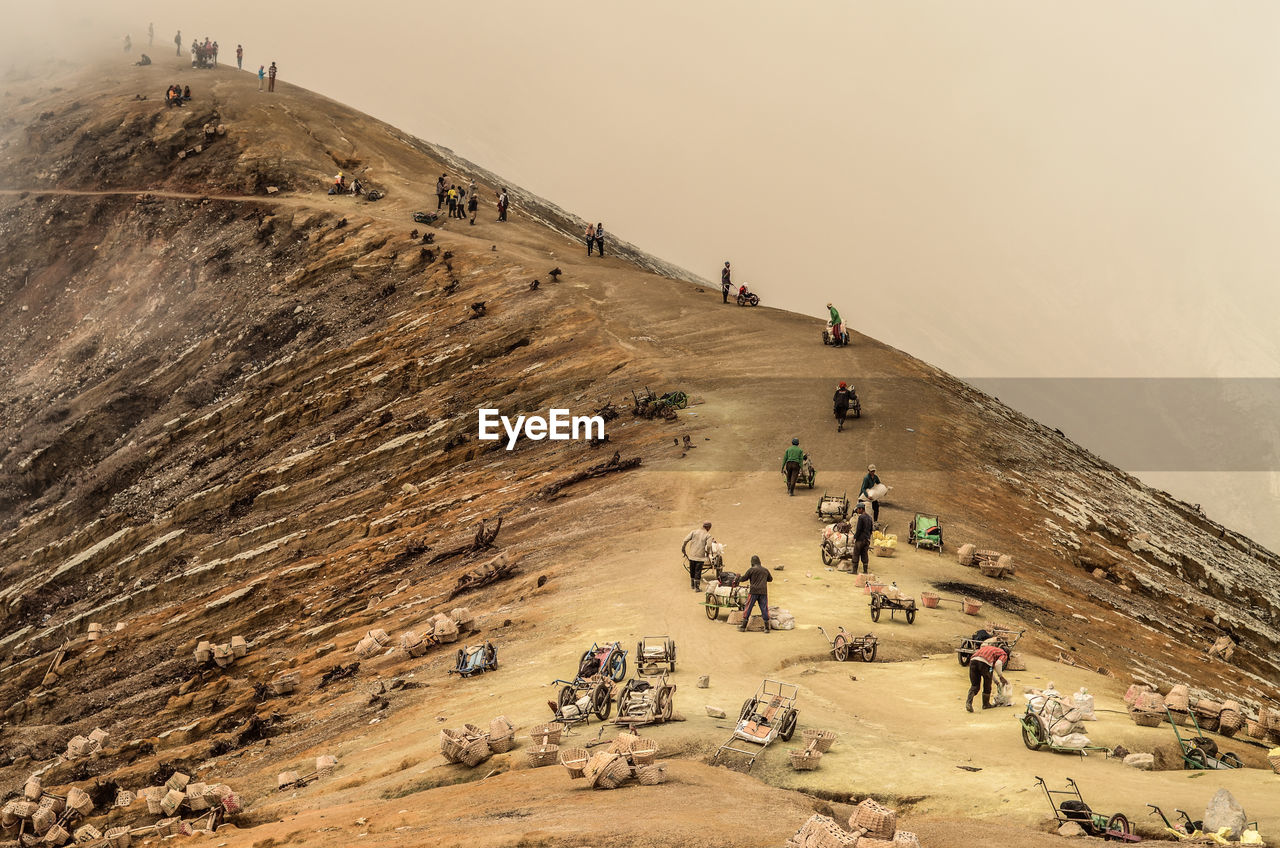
(217, 397)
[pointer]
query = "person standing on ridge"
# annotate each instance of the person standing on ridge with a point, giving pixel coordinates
(590, 237)
(473, 204)
(271, 77)
(870, 481)
(177, 42)
(452, 199)
(503, 201)
(837, 326)
(441, 191)
(861, 538)
(791, 465)
(697, 549)
(726, 281)
(600, 238)
(840, 405)
(462, 202)
(262, 74)
(240, 57)
(759, 579)
(986, 662)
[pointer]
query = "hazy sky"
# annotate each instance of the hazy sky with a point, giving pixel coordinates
(1005, 188)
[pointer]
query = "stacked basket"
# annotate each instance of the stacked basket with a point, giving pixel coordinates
(1178, 702)
(1147, 708)
(1207, 713)
(501, 735)
(1273, 757)
(873, 821)
(629, 756)
(1231, 719)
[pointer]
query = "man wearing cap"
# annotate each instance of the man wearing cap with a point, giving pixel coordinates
(986, 662)
(840, 404)
(441, 191)
(726, 281)
(869, 482)
(758, 595)
(697, 548)
(791, 465)
(861, 537)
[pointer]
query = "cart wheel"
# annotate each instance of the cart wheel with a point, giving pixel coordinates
(490, 655)
(841, 649)
(962, 657)
(1031, 736)
(875, 613)
(827, 559)
(601, 702)
(911, 616)
(748, 706)
(1230, 760)
(462, 660)
(671, 655)
(666, 704)
(1118, 824)
(566, 696)
(869, 652)
(789, 726)
(618, 666)
(713, 611)
(1195, 759)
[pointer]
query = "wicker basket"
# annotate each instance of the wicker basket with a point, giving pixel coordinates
(543, 755)
(43, 819)
(756, 624)
(87, 833)
(972, 607)
(1179, 718)
(32, 789)
(990, 570)
(1274, 759)
(285, 778)
(964, 556)
(575, 761)
(930, 600)
(57, 836)
(204, 651)
(822, 832)
(502, 744)
(1146, 718)
(171, 801)
(878, 821)
(223, 656)
(547, 734)
(117, 837)
(154, 794)
(1254, 729)
(805, 759)
(462, 617)
(597, 764)
(651, 775)
(177, 781)
(1208, 722)
(452, 744)
(167, 827)
(57, 803)
(883, 550)
(501, 729)
(239, 646)
(735, 617)
(1134, 691)
(820, 739)
(476, 752)
(231, 803)
(286, 683)
(613, 775)
(79, 800)
(643, 751)
(1178, 698)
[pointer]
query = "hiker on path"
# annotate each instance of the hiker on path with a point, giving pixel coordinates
(837, 326)
(503, 202)
(987, 662)
(697, 548)
(861, 538)
(473, 204)
(452, 198)
(462, 202)
(791, 465)
(869, 482)
(262, 73)
(726, 281)
(271, 77)
(441, 191)
(240, 57)
(591, 237)
(177, 42)
(758, 595)
(599, 238)
(840, 404)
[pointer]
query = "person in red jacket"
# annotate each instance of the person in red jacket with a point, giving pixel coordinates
(986, 662)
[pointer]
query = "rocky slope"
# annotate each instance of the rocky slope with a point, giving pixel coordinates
(233, 405)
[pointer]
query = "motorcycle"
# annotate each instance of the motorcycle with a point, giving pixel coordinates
(746, 298)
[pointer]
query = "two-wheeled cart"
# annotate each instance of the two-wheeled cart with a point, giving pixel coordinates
(846, 646)
(769, 714)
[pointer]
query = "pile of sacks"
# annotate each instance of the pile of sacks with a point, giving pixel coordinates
(83, 746)
(471, 746)
(222, 655)
(884, 544)
(629, 757)
(1061, 718)
(871, 826)
(779, 619)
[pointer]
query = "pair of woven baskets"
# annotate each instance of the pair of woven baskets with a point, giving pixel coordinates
(805, 759)
(502, 736)
(874, 820)
(822, 740)
(1146, 718)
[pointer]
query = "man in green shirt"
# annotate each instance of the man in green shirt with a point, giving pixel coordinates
(837, 327)
(791, 465)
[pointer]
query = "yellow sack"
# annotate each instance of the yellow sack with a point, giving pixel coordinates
(1252, 837)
